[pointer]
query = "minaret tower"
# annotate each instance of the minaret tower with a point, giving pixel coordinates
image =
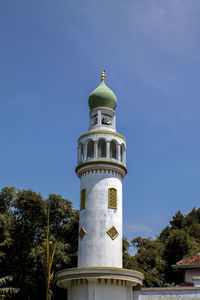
(101, 168)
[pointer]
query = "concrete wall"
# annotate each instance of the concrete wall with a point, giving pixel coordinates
(190, 273)
(97, 249)
(167, 294)
(95, 291)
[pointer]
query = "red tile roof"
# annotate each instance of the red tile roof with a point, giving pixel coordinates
(189, 261)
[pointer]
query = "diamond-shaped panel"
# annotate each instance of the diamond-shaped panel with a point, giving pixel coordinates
(82, 233)
(112, 232)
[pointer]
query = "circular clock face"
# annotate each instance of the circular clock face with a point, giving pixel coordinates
(106, 120)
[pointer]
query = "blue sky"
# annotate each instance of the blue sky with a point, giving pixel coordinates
(51, 53)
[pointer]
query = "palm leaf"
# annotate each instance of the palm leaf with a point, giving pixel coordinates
(8, 290)
(5, 279)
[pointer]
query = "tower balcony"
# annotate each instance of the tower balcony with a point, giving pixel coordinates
(101, 165)
(104, 146)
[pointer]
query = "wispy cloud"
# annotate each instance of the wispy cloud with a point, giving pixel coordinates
(146, 35)
(131, 228)
(171, 25)
(27, 99)
(161, 35)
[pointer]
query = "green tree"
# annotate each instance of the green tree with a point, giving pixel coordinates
(6, 290)
(129, 261)
(176, 241)
(6, 197)
(178, 245)
(164, 234)
(193, 217)
(150, 261)
(178, 221)
(23, 231)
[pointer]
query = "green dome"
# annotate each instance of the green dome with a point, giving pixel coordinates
(102, 96)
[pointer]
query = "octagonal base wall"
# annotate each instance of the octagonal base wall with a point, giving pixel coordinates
(99, 283)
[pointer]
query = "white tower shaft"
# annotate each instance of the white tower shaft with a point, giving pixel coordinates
(101, 169)
(97, 248)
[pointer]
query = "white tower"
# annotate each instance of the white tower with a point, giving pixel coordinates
(101, 169)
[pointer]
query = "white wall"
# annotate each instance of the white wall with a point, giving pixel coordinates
(97, 249)
(167, 294)
(112, 292)
(190, 273)
(95, 291)
(78, 292)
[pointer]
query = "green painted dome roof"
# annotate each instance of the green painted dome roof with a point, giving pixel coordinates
(102, 96)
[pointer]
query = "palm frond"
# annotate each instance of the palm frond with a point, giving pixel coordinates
(5, 279)
(8, 290)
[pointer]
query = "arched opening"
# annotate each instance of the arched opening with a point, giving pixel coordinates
(90, 149)
(113, 149)
(122, 153)
(83, 199)
(101, 148)
(93, 120)
(80, 152)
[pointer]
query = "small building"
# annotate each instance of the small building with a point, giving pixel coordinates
(191, 268)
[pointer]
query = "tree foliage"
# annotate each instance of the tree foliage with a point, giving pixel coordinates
(7, 290)
(155, 257)
(23, 223)
(23, 231)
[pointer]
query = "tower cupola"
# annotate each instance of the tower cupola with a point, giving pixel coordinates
(102, 102)
(102, 96)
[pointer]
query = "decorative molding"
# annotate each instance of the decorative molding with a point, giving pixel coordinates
(112, 232)
(101, 133)
(106, 171)
(99, 165)
(110, 281)
(118, 174)
(82, 233)
(65, 277)
(103, 268)
(112, 198)
(102, 108)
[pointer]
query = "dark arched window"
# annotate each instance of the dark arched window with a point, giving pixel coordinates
(80, 148)
(113, 149)
(101, 148)
(90, 150)
(83, 199)
(122, 153)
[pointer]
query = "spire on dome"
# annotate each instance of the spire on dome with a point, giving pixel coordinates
(103, 76)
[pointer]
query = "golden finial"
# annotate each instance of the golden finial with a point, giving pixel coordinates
(103, 75)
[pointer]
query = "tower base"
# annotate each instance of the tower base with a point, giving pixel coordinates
(97, 283)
